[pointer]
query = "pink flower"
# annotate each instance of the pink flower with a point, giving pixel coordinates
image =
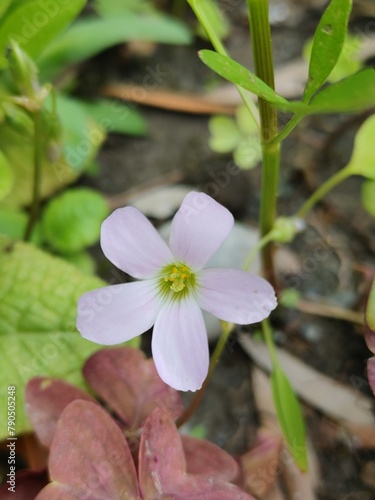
(172, 289)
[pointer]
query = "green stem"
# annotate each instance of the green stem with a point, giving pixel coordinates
(227, 328)
(341, 175)
(261, 243)
(263, 61)
(267, 333)
(38, 152)
(289, 127)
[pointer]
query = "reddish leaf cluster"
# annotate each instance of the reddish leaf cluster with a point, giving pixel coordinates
(133, 451)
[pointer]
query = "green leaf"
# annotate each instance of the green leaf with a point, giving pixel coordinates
(38, 307)
(355, 93)
(348, 63)
(82, 135)
(3, 8)
(6, 176)
(327, 45)
(92, 35)
(239, 75)
(117, 117)
(219, 24)
(368, 196)
(82, 260)
(109, 8)
(362, 161)
(289, 416)
(248, 153)
(35, 24)
(225, 135)
(13, 224)
(72, 220)
(370, 309)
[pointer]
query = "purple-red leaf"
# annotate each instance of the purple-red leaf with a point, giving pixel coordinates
(89, 457)
(130, 385)
(46, 398)
(162, 466)
(204, 457)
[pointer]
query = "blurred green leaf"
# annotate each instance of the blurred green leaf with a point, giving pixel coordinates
(6, 176)
(245, 122)
(289, 416)
(90, 36)
(225, 135)
(4, 7)
(239, 75)
(368, 196)
(72, 220)
(355, 93)
(82, 260)
(38, 307)
(218, 22)
(370, 309)
(34, 24)
(248, 153)
(362, 161)
(327, 44)
(107, 8)
(19, 151)
(82, 134)
(13, 224)
(117, 117)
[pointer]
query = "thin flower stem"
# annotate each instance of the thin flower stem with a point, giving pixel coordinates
(38, 152)
(263, 60)
(267, 333)
(261, 243)
(340, 176)
(226, 329)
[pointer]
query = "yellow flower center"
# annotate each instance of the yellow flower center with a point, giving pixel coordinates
(177, 279)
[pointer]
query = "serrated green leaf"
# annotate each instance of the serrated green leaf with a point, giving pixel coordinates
(289, 416)
(35, 24)
(19, 150)
(362, 161)
(370, 309)
(72, 220)
(117, 117)
(225, 135)
(241, 76)
(355, 93)
(6, 176)
(38, 306)
(368, 196)
(327, 44)
(90, 36)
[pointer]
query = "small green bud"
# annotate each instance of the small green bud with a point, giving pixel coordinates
(23, 70)
(289, 297)
(285, 228)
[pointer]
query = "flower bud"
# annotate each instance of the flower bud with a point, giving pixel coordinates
(285, 228)
(23, 70)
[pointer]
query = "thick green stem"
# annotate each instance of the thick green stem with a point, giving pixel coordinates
(323, 190)
(263, 61)
(227, 328)
(38, 152)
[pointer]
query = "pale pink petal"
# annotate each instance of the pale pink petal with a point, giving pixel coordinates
(180, 345)
(198, 229)
(235, 296)
(117, 313)
(131, 243)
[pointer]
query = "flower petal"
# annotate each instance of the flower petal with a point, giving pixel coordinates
(132, 244)
(180, 345)
(198, 229)
(235, 296)
(117, 313)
